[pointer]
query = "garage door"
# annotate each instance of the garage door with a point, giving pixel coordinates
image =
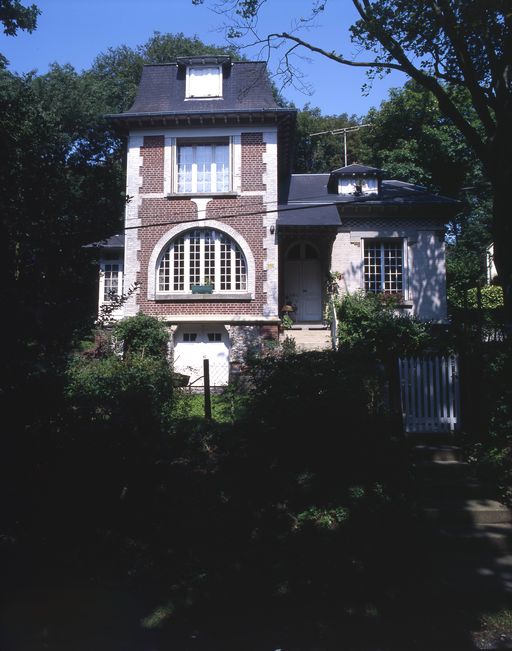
(192, 343)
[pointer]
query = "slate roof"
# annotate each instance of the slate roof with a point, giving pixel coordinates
(357, 169)
(310, 204)
(162, 90)
(110, 243)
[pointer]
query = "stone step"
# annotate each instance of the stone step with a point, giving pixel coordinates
(468, 511)
(442, 470)
(440, 453)
(310, 338)
(482, 539)
(441, 488)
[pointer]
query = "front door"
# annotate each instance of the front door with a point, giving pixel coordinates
(303, 282)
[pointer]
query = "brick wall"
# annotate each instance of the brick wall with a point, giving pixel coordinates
(253, 167)
(243, 215)
(230, 211)
(152, 170)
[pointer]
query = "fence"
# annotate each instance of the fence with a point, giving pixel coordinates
(219, 377)
(430, 393)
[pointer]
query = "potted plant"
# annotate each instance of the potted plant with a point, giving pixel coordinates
(205, 288)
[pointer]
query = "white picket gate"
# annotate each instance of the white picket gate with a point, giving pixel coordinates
(430, 393)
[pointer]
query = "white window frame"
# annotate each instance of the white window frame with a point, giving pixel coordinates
(105, 277)
(210, 88)
(397, 242)
(215, 174)
(177, 255)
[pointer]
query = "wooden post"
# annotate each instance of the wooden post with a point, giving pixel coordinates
(207, 395)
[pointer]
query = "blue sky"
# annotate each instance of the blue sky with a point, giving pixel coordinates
(76, 31)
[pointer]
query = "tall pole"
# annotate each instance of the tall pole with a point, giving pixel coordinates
(207, 397)
(344, 131)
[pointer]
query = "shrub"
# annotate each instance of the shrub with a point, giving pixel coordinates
(371, 323)
(142, 334)
(132, 393)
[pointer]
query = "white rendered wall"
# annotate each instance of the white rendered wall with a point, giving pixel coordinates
(424, 264)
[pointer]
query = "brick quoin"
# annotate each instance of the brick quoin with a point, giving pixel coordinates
(152, 170)
(228, 210)
(253, 166)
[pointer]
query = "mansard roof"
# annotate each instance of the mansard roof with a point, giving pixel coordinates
(162, 90)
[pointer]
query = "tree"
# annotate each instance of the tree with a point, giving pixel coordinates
(15, 16)
(323, 153)
(443, 45)
(120, 68)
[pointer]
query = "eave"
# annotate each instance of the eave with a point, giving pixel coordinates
(174, 119)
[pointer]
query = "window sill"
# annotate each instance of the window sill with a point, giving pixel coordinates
(228, 296)
(190, 195)
(405, 305)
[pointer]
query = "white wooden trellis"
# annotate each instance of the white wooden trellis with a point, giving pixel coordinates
(430, 393)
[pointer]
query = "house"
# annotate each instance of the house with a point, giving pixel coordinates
(219, 234)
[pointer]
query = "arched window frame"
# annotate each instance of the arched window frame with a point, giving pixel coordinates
(154, 292)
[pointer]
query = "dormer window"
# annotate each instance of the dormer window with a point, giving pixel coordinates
(358, 185)
(204, 82)
(355, 180)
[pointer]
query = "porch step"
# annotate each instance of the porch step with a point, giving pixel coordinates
(313, 337)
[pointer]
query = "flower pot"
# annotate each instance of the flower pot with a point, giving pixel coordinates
(180, 379)
(202, 289)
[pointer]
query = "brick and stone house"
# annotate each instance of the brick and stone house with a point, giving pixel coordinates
(219, 235)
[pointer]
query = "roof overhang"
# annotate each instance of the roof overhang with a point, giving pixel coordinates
(281, 117)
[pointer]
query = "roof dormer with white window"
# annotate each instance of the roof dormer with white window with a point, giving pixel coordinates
(356, 180)
(204, 76)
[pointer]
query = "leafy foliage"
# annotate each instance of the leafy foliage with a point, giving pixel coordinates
(319, 154)
(118, 69)
(372, 324)
(142, 335)
(413, 141)
(123, 393)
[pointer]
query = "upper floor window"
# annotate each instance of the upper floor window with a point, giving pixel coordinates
(202, 257)
(203, 167)
(383, 266)
(204, 82)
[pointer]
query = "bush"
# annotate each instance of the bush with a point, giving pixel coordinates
(142, 334)
(136, 392)
(372, 324)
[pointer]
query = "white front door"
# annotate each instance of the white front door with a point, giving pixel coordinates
(194, 343)
(303, 282)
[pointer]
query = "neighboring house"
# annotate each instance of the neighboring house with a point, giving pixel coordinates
(491, 272)
(219, 235)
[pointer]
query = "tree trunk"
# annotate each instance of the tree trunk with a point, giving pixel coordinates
(502, 236)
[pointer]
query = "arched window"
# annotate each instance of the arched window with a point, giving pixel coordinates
(202, 257)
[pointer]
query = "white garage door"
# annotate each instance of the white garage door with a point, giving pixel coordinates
(192, 343)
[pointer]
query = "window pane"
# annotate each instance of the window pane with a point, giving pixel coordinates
(179, 264)
(204, 81)
(185, 162)
(204, 168)
(209, 258)
(221, 168)
(383, 267)
(202, 248)
(111, 281)
(164, 273)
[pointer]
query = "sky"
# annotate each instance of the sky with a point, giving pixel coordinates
(76, 31)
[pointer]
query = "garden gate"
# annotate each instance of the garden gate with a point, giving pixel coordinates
(430, 393)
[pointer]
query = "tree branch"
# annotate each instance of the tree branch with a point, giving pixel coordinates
(379, 33)
(448, 22)
(336, 57)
